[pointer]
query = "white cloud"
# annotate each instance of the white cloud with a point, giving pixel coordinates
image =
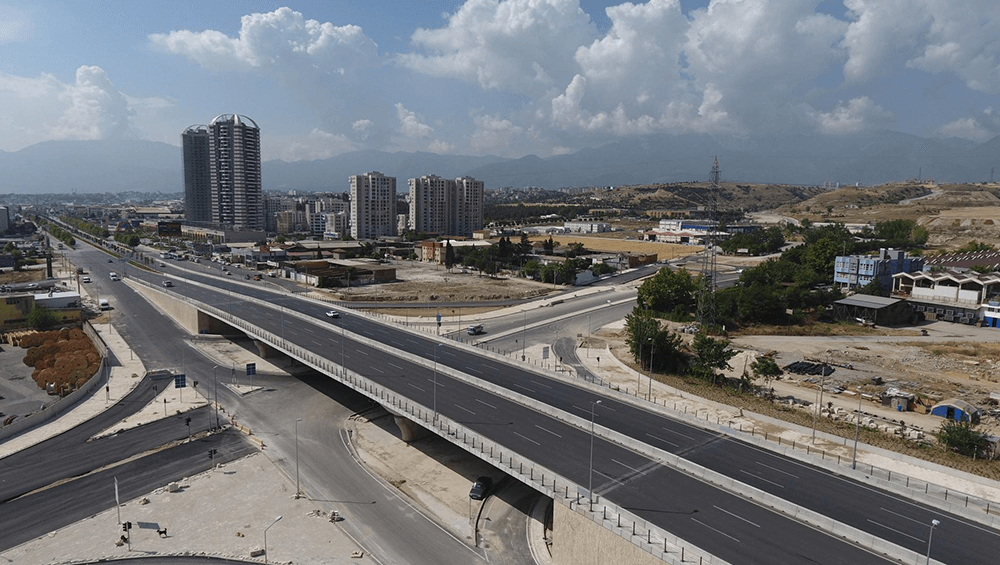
(90, 107)
(979, 127)
(495, 135)
(318, 144)
(440, 147)
(361, 128)
(858, 114)
(410, 125)
(282, 41)
(935, 36)
(523, 46)
(15, 25)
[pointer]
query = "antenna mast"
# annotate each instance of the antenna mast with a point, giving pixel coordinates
(706, 299)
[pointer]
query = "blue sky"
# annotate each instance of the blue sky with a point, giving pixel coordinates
(508, 77)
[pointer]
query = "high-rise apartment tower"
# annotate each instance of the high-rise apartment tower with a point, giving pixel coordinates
(373, 205)
(446, 207)
(234, 162)
(197, 174)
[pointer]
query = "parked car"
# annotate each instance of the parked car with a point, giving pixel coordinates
(333, 314)
(480, 488)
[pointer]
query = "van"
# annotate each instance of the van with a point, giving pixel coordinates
(105, 305)
(475, 330)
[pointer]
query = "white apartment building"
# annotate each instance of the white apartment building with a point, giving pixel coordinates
(373, 205)
(442, 206)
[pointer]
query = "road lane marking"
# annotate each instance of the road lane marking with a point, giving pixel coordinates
(776, 469)
(627, 467)
(762, 478)
(416, 387)
(898, 532)
(524, 387)
(550, 431)
(413, 341)
(609, 477)
(379, 370)
(540, 384)
(527, 438)
(435, 383)
(473, 370)
(466, 409)
(736, 516)
(362, 351)
(485, 403)
(663, 440)
(394, 365)
(715, 530)
(675, 432)
(907, 517)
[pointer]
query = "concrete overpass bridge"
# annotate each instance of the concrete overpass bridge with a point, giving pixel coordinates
(650, 504)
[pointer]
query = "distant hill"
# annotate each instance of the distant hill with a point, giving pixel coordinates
(869, 158)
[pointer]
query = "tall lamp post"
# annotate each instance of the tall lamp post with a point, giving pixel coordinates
(265, 536)
(590, 483)
(934, 523)
(298, 492)
(857, 432)
(524, 326)
(435, 383)
(215, 379)
(652, 347)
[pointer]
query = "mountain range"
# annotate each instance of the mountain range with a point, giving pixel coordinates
(868, 158)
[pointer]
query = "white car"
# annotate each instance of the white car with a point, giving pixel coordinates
(333, 314)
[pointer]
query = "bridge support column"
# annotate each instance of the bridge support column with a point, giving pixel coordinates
(265, 351)
(409, 430)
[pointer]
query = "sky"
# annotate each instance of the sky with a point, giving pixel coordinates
(496, 77)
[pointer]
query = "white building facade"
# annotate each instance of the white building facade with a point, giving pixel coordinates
(373, 205)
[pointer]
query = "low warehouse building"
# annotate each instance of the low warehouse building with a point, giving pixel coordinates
(876, 310)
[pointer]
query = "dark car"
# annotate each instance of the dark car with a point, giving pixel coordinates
(480, 488)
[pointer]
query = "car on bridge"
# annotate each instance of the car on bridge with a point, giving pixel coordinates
(333, 314)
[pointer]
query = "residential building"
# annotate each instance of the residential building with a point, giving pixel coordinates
(856, 271)
(373, 205)
(442, 206)
(197, 174)
(291, 221)
(234, 161)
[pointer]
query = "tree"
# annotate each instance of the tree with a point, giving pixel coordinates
(549, 245)
(640, 328)
(961, 438)
(279, 239)
(765, 368)
(873, 288)
(449, 255)
(668, 290)
(41, 318)
(710, 355)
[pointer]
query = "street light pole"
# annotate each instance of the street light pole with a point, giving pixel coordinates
(435, 383)
(524, 326)
(265, 536)
(934, 523)
(590, 483)
(819, 403)
(857, 432)
(652, 347)
(215, 379)
(298, 492)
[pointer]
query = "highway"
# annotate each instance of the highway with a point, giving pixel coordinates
(624, 477)
(376, 516)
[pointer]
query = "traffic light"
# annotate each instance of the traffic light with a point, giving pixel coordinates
(211, 453)
(187, 420)
(126, 526)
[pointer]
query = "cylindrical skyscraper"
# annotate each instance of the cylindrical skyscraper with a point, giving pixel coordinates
(234, 161)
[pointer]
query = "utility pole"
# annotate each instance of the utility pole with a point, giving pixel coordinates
(706, 298)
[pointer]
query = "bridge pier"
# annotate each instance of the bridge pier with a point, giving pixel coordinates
(409, 431)
(265, 351)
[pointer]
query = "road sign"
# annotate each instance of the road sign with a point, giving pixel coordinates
(251, 369)
(180, 381)
(439, 318)
(545, 352)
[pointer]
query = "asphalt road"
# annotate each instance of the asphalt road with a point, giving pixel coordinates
(622, 476)
(375, 515)
(899, 521)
